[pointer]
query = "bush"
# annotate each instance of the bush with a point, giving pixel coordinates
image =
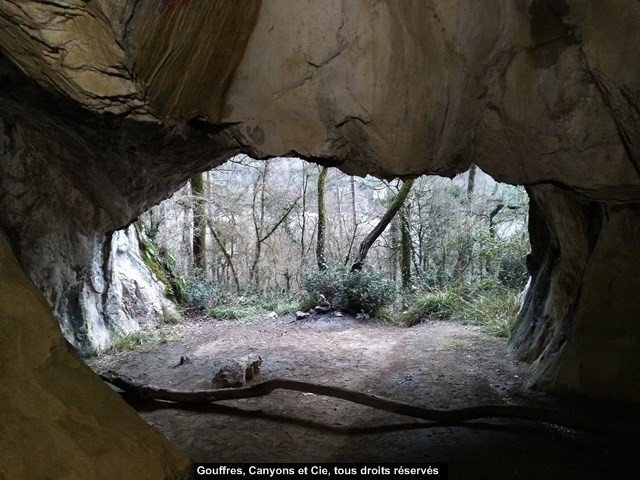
(252, 303)
(494, 311)
(363, 291)
(204, 294)
(323, 282)
(131, 341)
(513, 271)
(170, 316)
(233, 312)
(432, 279)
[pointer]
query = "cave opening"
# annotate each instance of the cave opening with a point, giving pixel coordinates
(106, 107)
(443, 361)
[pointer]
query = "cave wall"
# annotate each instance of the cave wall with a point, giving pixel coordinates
(58, 419)
(579, 323)
(77, 177)
(534, 92)
(106, 107)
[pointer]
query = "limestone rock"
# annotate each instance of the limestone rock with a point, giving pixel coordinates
(536, 92)
(236, 373)
(52, 402)
(69, 246)
(115, 104)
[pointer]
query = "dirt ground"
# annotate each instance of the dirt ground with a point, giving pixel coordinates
(435, 364)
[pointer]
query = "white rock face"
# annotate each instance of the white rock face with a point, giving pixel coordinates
(135, 297)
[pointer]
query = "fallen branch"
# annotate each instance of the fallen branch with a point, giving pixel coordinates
(453, 416)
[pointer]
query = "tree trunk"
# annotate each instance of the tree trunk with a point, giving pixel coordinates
(199, 225)
(258, 222)
(227, 255)
(370, 239)
(471, 181)
(322, 214)
(405, 248)
(305, 183)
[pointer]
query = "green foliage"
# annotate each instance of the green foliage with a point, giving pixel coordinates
(323, 282)
(365, 291)
(132, 341)
(439, 303)
(123, 343)
(277, 302)
(167, 336)
(361, 291)
(163, 266)
(431, 279)
(204, 294)
(177, 282)
(513, 272)
(495, 312)
(252, 304)
(486, 304)
(234, 312)
(171, 317)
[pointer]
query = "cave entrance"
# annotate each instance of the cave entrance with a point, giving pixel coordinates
(245, 297)
(249, 236)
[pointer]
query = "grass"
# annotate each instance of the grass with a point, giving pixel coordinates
(234, 312)
(169, 335)
(171, 317)
(494, 310)
(251, 306)
(457, 342)
(132, 341)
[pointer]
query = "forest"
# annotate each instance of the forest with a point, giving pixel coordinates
(253, 236)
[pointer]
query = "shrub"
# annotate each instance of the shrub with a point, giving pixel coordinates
(494, 311)
(362, 291)
(365, 291)
(131, 341)
(432, 279)
(204, 294)
(513, 271)
(490, 306)
(323, 282)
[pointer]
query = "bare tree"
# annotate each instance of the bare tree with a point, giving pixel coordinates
(391, 212)
(262, 230)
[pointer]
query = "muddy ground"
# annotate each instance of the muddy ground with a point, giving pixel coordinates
(436, 364)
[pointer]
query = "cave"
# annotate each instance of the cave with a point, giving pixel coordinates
(106, 108)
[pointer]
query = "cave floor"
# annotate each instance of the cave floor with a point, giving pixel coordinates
(436, 364)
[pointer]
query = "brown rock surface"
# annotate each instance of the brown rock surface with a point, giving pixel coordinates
(131, 98)
(58, 419)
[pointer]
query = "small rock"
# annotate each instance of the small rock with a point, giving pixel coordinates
(272, 315)
(323, 305)
(183, 360)
(252, 363)
(300, 315)
(338, 314)
(231, 375)
(236, 373)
